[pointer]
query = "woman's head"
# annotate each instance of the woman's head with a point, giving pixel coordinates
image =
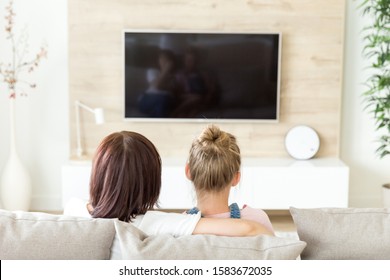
(214, 160)
(190, 59)
(166, 58)
(126, 176)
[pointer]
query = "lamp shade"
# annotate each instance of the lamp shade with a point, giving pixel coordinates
(99, 119)
(99, 115)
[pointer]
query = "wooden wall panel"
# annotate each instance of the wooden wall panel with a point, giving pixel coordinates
(310, 76)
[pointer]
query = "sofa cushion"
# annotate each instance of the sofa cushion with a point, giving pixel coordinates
(137, 245)
(344, 233)
(27, 235)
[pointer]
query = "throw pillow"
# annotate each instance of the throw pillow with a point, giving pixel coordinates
(137, 245)
(344, 233)
(28, 235)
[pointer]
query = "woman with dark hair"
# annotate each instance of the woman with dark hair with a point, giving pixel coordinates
(126, 177)
(125, 184)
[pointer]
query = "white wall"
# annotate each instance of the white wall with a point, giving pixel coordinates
(358, 136)
(42, 117)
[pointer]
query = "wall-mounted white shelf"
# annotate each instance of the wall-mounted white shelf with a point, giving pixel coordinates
(265, 183)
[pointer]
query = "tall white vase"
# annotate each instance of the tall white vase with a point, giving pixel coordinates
(15, 184)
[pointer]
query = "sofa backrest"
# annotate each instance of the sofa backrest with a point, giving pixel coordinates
(27, 235)
(344, 233)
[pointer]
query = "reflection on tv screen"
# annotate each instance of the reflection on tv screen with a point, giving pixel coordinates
(207, 76)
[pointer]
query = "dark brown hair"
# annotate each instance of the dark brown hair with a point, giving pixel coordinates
(126, 176)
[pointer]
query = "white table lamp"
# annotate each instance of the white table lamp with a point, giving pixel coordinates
(99, 119)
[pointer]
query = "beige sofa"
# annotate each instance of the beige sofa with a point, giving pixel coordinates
(325, 233)
(25, 235)
(344, 233)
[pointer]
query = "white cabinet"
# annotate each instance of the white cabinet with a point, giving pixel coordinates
(265, 183)
(279, 184)
(75, 180)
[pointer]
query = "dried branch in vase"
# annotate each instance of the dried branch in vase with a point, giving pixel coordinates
(13, 72)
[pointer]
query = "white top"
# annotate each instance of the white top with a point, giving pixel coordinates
(152, 223)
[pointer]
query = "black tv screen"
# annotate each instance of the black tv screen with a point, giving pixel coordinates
(170, 75)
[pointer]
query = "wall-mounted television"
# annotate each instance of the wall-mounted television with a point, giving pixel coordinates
(201, 76)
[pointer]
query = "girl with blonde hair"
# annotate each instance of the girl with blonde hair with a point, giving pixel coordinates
(214, 167)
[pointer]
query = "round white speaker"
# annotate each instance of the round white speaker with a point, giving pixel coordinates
(302, 142)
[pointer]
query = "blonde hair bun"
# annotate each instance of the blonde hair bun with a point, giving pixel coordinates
(212, 134)
(214, 159)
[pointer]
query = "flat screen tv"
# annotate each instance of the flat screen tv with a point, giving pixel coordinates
(201, 76)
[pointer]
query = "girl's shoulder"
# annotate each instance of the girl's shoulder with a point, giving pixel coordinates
(253, 211)
(257, 215)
